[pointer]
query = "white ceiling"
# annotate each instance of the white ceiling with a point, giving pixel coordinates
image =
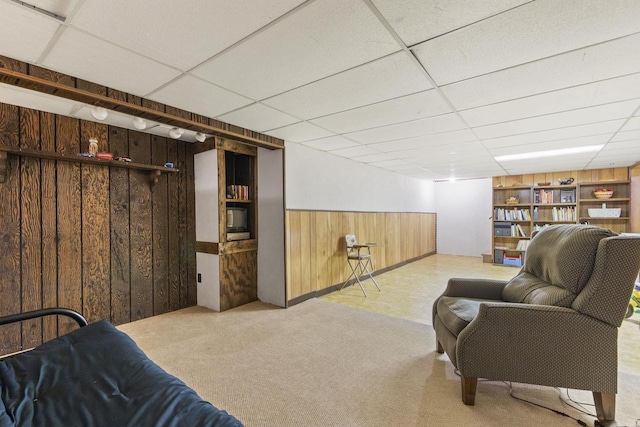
(432, 89)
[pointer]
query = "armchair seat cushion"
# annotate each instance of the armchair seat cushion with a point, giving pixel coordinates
(456, 312)
(529, 289)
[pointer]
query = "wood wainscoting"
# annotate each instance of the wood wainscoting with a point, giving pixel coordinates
(316, 252)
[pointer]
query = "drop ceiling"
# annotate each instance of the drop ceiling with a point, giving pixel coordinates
(432, 89)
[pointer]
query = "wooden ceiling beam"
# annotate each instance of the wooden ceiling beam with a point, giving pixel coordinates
(25, 81)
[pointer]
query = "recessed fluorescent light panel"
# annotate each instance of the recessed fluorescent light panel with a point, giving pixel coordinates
(549, 153)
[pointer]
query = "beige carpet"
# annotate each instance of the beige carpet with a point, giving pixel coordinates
(325, 364)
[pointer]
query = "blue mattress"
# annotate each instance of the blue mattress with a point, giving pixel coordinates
(97, 376)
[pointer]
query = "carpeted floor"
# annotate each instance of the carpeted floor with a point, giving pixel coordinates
(325, 364)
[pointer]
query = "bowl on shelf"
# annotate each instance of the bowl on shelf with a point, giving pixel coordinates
(543, 184)
(602, 193)
(604, 212)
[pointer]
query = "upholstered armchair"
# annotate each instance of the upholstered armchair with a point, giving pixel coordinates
(555, 323)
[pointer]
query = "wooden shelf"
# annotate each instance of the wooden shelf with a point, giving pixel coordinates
(238, 201)
(154, 170)
(600, 201)
(554, 204)
(618, 218)
(603, 183)
(514, 187)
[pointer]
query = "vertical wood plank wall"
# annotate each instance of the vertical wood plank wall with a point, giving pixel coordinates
(92, 238)
(316, 251)
(84, 236)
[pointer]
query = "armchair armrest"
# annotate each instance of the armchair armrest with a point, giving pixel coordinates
(539, 344)
(475, 288)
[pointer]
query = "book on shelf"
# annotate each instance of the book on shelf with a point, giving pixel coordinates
(521, 230)
(522, 245)
(563, 214)
(543, 196)
(238, 192)
(501, 214)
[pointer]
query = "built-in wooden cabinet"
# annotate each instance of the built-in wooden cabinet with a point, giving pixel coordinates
(526, 203)
(237, 169)
(227, 224)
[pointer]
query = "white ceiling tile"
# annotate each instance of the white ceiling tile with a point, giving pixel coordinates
(425, 141)
(603, 92)
(24, 32)
(389, 77)
(408, 17)
(424, 174)
(458, 153)
(631, 135)
(410, 107)
(534, 31)
(320, 39)
(629, 145)
(390, 163)
(84, 56)
(430, 125)
(375, 158)
(399, 167)
(603, 128)
(188, 36)
(62, 8)
(616, 158)
(359, 151)
(299, 132)
(558, 120)
(632, 124)
(198, 96)
(588, 65)
(331, 143)
(607, 164)
(258, 117)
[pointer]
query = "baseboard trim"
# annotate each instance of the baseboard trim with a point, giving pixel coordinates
(333, 288)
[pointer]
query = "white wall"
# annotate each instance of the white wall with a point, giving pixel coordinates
(316, 180)
(464, 210)
(205, 166)
(271, 270)
(208, 265)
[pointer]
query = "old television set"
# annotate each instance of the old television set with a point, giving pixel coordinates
(237, 224)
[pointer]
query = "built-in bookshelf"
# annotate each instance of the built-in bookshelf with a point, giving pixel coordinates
(519, 210)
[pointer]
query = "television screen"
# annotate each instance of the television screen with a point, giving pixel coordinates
(236, 219)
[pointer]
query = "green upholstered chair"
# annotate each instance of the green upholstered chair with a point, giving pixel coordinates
(555, 323)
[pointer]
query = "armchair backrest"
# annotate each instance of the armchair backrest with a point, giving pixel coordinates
(606, 294)
(558, 264)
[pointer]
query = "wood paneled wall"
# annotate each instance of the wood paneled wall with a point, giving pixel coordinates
(93, 238)
(316, 251)
(96, 239)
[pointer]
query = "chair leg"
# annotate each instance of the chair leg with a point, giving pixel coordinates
(353, 274)
(605, 405)
(439, 348)
(370, 275)
(469, 390)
